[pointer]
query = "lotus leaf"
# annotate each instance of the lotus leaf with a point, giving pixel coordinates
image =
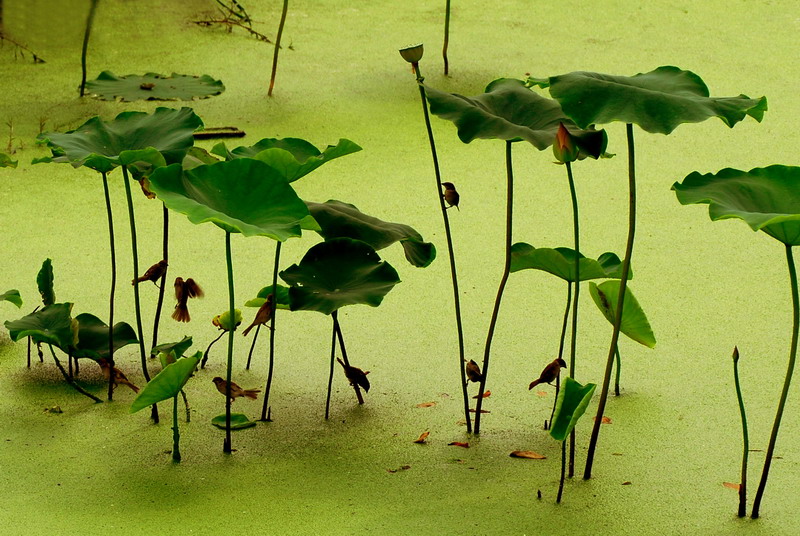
(339, 272)
(561, 263)
(51, 324)
(44, 280)
(338, 219)
(766, 199)
(152, 86)
(281, 303)
(509, 111)
(167, 383)
(12, 296)
(239, 421)
(240, 196)
(158, 138)
(292, 157)
(178, 348)
(573, 398)
(93, 337)
(634, 322)
(657, 101)
(197, 156)
(5, 161)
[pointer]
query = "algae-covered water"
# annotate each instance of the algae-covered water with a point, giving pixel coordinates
(674, 435)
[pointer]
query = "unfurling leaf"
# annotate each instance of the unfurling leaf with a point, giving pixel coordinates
(528, 454)
(423, 438)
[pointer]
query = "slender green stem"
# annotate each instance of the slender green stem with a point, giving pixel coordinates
(176, 435)
(137, 304)
(500, 289)
(448, 236)
(563, 471)
(338, 329)
(577, 281)
(773, 438)
(446, 37)
(165, 256)
(186, 405)
(69, 380)
(277, 47)
(330, 374)
(745, 440)
(205, 355)
(623, 285)
(84, 49)
(617, 370)
(252, 347)
(272, 330)
(226, 446)
(561, 348)
(112, 248)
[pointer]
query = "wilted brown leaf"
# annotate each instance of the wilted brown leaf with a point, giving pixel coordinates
(731, 485)
(482, 411)
(527, 454)
(426, 405)
(604, 420)
(423, 437)
(459, 444)
(486, 394)
(627, 483)
(541, 393)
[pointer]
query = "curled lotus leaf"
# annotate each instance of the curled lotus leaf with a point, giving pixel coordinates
(12, 296)
(44, 281)
(177, 348)
(167, 383)
(634, 322)
(153, 86)
(93, 337)
(573, 398)
(52, 325)
(561, 263)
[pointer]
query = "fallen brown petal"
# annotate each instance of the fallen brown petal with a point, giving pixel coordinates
(627, 483)
(459, 444)
(541, 393)
(426, 405)
(482, 411)
(731, 485)
(422, 437)
(616, 454)
(527, 454)
(604, 420)
(486, 394)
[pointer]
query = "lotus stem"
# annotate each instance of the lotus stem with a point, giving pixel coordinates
(186, 405)
(561, 348)
(29, 352)
(89, 21)
(773, 438)
(277, 47)
(226, 446)
(137, 304)
(745, 440)
(176, 435)
(110, 218)
(69, 380)
(617, 370)
(563, 471)
(338, 329)
(500, 289)
(577, 281)
(330, 374)
(449, 237)
(208, 349)
(252, 347)
(446, 37)
(165, 256)
(264, 416)
(623, 285)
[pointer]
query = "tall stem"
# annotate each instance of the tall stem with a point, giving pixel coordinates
(89, 21)
(226, 446)
(165, 256)
(176, 435)
(277, 47)
(623, 285)
(561, 348)
(577, 281)
(500, 289)
(617, 370)
(448, 236)
(272, 330)
(252, 347)
(330, 374)
(563, 467)
(745, 440)
(135, 254)
(773, 438)
(110, 218)
(446, 37)
(338, 329)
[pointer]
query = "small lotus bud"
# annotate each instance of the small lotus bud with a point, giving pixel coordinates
(412, 54)
(564, 147)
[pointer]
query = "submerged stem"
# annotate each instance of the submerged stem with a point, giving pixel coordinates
(226, 446)
(277, 47)
(264, 416)
(773, 438)
(112, 248)
(330, 375)
(577, 281)
(500, 289)
(176, 435)
(448, 236)
(84, 49)
(165, 256)
(623, 285)
(745, 440)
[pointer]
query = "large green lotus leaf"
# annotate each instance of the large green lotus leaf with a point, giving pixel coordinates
(51, 324)
(5, 161)
(281, 303)
(767, 199)
(339, 272)
(657, 101)
(167, 383)
(239, 421)
(573, 398)
(12, 296)
(132, 137)
(179, 348)
(561, 263)
(338, 219)
(293, 157)
(44, 280)
(509, 111)
(241, 196)
(93, 337)
(634, 322)
(153, 86)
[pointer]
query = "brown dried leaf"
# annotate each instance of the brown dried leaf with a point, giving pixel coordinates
(459, 444)
(604, 420)
(482, 411)
(731, 485)
(527, 454)
(423, 437)
(486, 394)
(426, 405)
(627, 483)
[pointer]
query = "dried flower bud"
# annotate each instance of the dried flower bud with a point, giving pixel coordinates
(564, 147)
(412, 54)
